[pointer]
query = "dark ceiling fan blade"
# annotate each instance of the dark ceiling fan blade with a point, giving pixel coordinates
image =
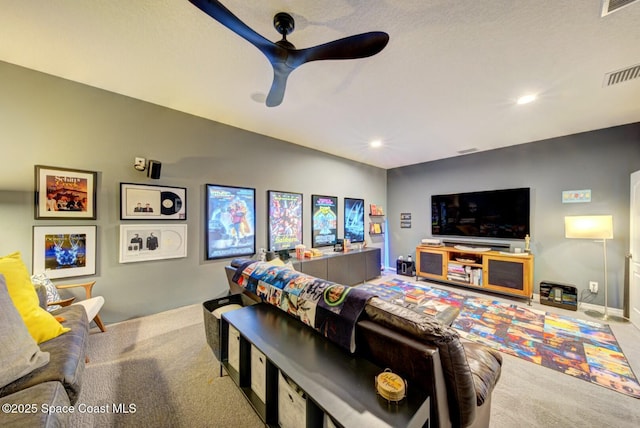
(282, 55)
(352, 47)
(217, 11)
(276, 93)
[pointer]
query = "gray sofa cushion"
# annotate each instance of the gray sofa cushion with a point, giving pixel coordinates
(67, 356)
(39, 397)
(20, 353)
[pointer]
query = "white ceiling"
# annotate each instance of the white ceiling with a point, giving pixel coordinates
(447, 81)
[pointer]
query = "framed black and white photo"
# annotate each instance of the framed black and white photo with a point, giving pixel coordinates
(139, 243)
(324, 220)
(63, 193)
(146, 201)
(64, 251)
(230, 221)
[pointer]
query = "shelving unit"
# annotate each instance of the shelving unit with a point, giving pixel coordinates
(303, 358)
(376, 220)
(495, 271)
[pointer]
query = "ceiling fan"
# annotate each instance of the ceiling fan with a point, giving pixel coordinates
(282, 55)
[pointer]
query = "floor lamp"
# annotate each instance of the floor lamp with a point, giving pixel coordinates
(593, 227)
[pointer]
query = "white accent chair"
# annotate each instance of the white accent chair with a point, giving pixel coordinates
(92, 305)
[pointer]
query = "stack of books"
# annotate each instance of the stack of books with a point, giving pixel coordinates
(476, 276)
(456, 272)
(415, 296)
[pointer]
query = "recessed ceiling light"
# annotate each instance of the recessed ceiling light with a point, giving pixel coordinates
(526, 99)
(376, 143)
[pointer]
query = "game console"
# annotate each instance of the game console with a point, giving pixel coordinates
(431, 242)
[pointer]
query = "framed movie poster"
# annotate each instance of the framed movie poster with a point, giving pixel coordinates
(231, 221)
(285, 220)
(62, 193)
(354, 219)
(145, 201)
(140, 243)
(324, 220)
(64, 251)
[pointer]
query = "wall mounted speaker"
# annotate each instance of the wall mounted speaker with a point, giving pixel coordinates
(154, 169)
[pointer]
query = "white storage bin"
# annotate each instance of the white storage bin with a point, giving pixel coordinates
(258, 373)
(234, 348)
(292, 404)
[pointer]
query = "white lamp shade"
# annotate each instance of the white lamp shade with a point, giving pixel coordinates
(589, 227)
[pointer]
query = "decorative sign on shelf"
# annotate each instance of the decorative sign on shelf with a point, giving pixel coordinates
(576, 196)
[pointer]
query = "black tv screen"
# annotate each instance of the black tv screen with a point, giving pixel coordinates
(487, 214)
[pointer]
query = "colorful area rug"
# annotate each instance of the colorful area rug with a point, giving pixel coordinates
(583, 349)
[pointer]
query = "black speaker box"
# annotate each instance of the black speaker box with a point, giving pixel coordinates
(559, 295)
(154, 169)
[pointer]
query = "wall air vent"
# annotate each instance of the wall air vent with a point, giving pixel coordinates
(610, 6)
(623, 75)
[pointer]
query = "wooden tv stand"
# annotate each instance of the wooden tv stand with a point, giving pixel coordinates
(336, 384)
(495, 271)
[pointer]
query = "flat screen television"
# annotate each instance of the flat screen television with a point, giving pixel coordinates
(487, 214)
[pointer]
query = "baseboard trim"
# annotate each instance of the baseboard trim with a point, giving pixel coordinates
(582, 306)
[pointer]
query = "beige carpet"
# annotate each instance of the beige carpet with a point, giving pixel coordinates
(163, 365)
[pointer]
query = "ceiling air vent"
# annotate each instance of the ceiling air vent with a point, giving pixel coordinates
(623, 75)
(467, 151)
(610, 6)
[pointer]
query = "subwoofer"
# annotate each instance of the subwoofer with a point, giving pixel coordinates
(559, 295)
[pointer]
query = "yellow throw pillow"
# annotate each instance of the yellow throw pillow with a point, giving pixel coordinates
(41, 324)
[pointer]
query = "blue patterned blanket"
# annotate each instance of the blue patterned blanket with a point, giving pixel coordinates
(330, 308)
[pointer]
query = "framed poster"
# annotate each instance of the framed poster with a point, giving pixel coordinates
(146, 201)
(64, 251)
(324, 220)
(285, 220)
(231, 221)
(140, 243)
(63, 193)
(354, 219)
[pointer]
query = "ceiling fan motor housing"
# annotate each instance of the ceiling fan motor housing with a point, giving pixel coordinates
(284, 23)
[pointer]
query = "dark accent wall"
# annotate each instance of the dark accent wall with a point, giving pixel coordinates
(601, 160)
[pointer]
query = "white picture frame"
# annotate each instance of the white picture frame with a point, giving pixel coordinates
(150, 202)
(64, 251)
(139, 243)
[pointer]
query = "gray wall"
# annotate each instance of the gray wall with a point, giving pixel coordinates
(50, 121)
(601, 161)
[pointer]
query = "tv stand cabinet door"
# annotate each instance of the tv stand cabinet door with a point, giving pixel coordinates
(431, 263)
(509, 275)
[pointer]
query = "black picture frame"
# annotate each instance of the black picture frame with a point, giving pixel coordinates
(285, 222)
(65, 193)
(324, 221)
(230, 221)
(354, 209)
(151, 202)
